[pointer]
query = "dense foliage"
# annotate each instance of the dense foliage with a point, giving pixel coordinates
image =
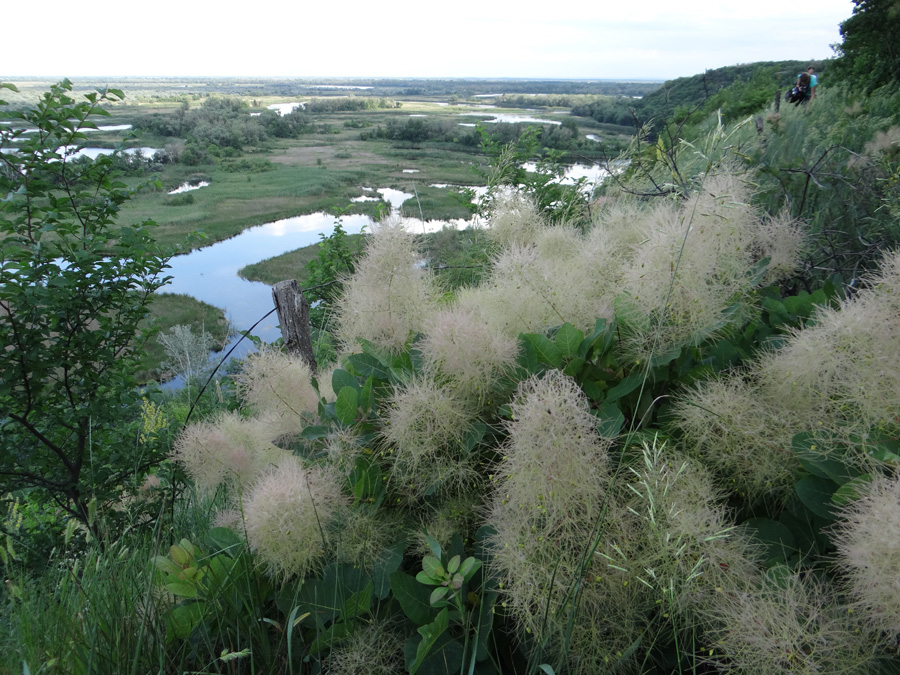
(488, 87)
(562, 137)
(74, 287)
(335, 261)
(348, 104)
(220, 127)
(751, 86)
(829, 163)
(869, 56)
(504, 463)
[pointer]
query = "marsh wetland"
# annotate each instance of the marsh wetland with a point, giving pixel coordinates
(242, 174)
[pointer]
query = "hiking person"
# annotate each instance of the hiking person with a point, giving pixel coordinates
(813, 82)
(800, 92)
(805, 89)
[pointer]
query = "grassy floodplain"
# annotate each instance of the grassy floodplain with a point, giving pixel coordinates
(326, 167)
(321, 171)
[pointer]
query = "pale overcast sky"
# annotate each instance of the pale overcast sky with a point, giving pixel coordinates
(593, 39)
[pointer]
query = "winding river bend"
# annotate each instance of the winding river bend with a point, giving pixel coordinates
(210, 274)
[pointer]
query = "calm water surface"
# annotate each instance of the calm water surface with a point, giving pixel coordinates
(211, 274)
(189, 186)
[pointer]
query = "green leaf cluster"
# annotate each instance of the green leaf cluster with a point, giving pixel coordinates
(74, 288)
(868, 58)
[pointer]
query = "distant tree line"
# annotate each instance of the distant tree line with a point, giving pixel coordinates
(466, 88)
(417, 130)
(608, 111)
(563, 137)
(220, 127)
(549, 100)
(334, 104)
(195, 89)
(393, 87)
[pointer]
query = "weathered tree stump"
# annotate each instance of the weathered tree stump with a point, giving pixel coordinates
(293, 317)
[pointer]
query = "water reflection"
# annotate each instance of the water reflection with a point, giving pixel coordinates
(188, 186)
(335, 86)
(110, 127)
(100, 127)
(285, 108)
(211, 274)
(510, 118)
(594, 173)
(394, 197)
(71, 152)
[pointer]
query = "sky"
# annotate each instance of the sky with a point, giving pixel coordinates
(579, 39)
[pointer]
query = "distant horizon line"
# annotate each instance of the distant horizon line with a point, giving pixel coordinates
(342, 78)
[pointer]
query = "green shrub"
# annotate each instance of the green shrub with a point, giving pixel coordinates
(184, 199)
(74, 288)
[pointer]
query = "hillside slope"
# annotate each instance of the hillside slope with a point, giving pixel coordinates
(689, 92)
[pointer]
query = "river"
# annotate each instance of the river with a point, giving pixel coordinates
(210, 274)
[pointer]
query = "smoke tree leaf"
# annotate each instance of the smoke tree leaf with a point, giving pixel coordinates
(365, 395)
(816, 493)
(546, 350)
(182, 589)
(314, 433)
(430, 633)
(778, 538)
(346, 407)
(341, 378)
(413, 598)
(569, 339)
(366, 365)
(388, 563)
(432, 567)
(610, 419)
(182, 620)
(626, 386)
(851, 490)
